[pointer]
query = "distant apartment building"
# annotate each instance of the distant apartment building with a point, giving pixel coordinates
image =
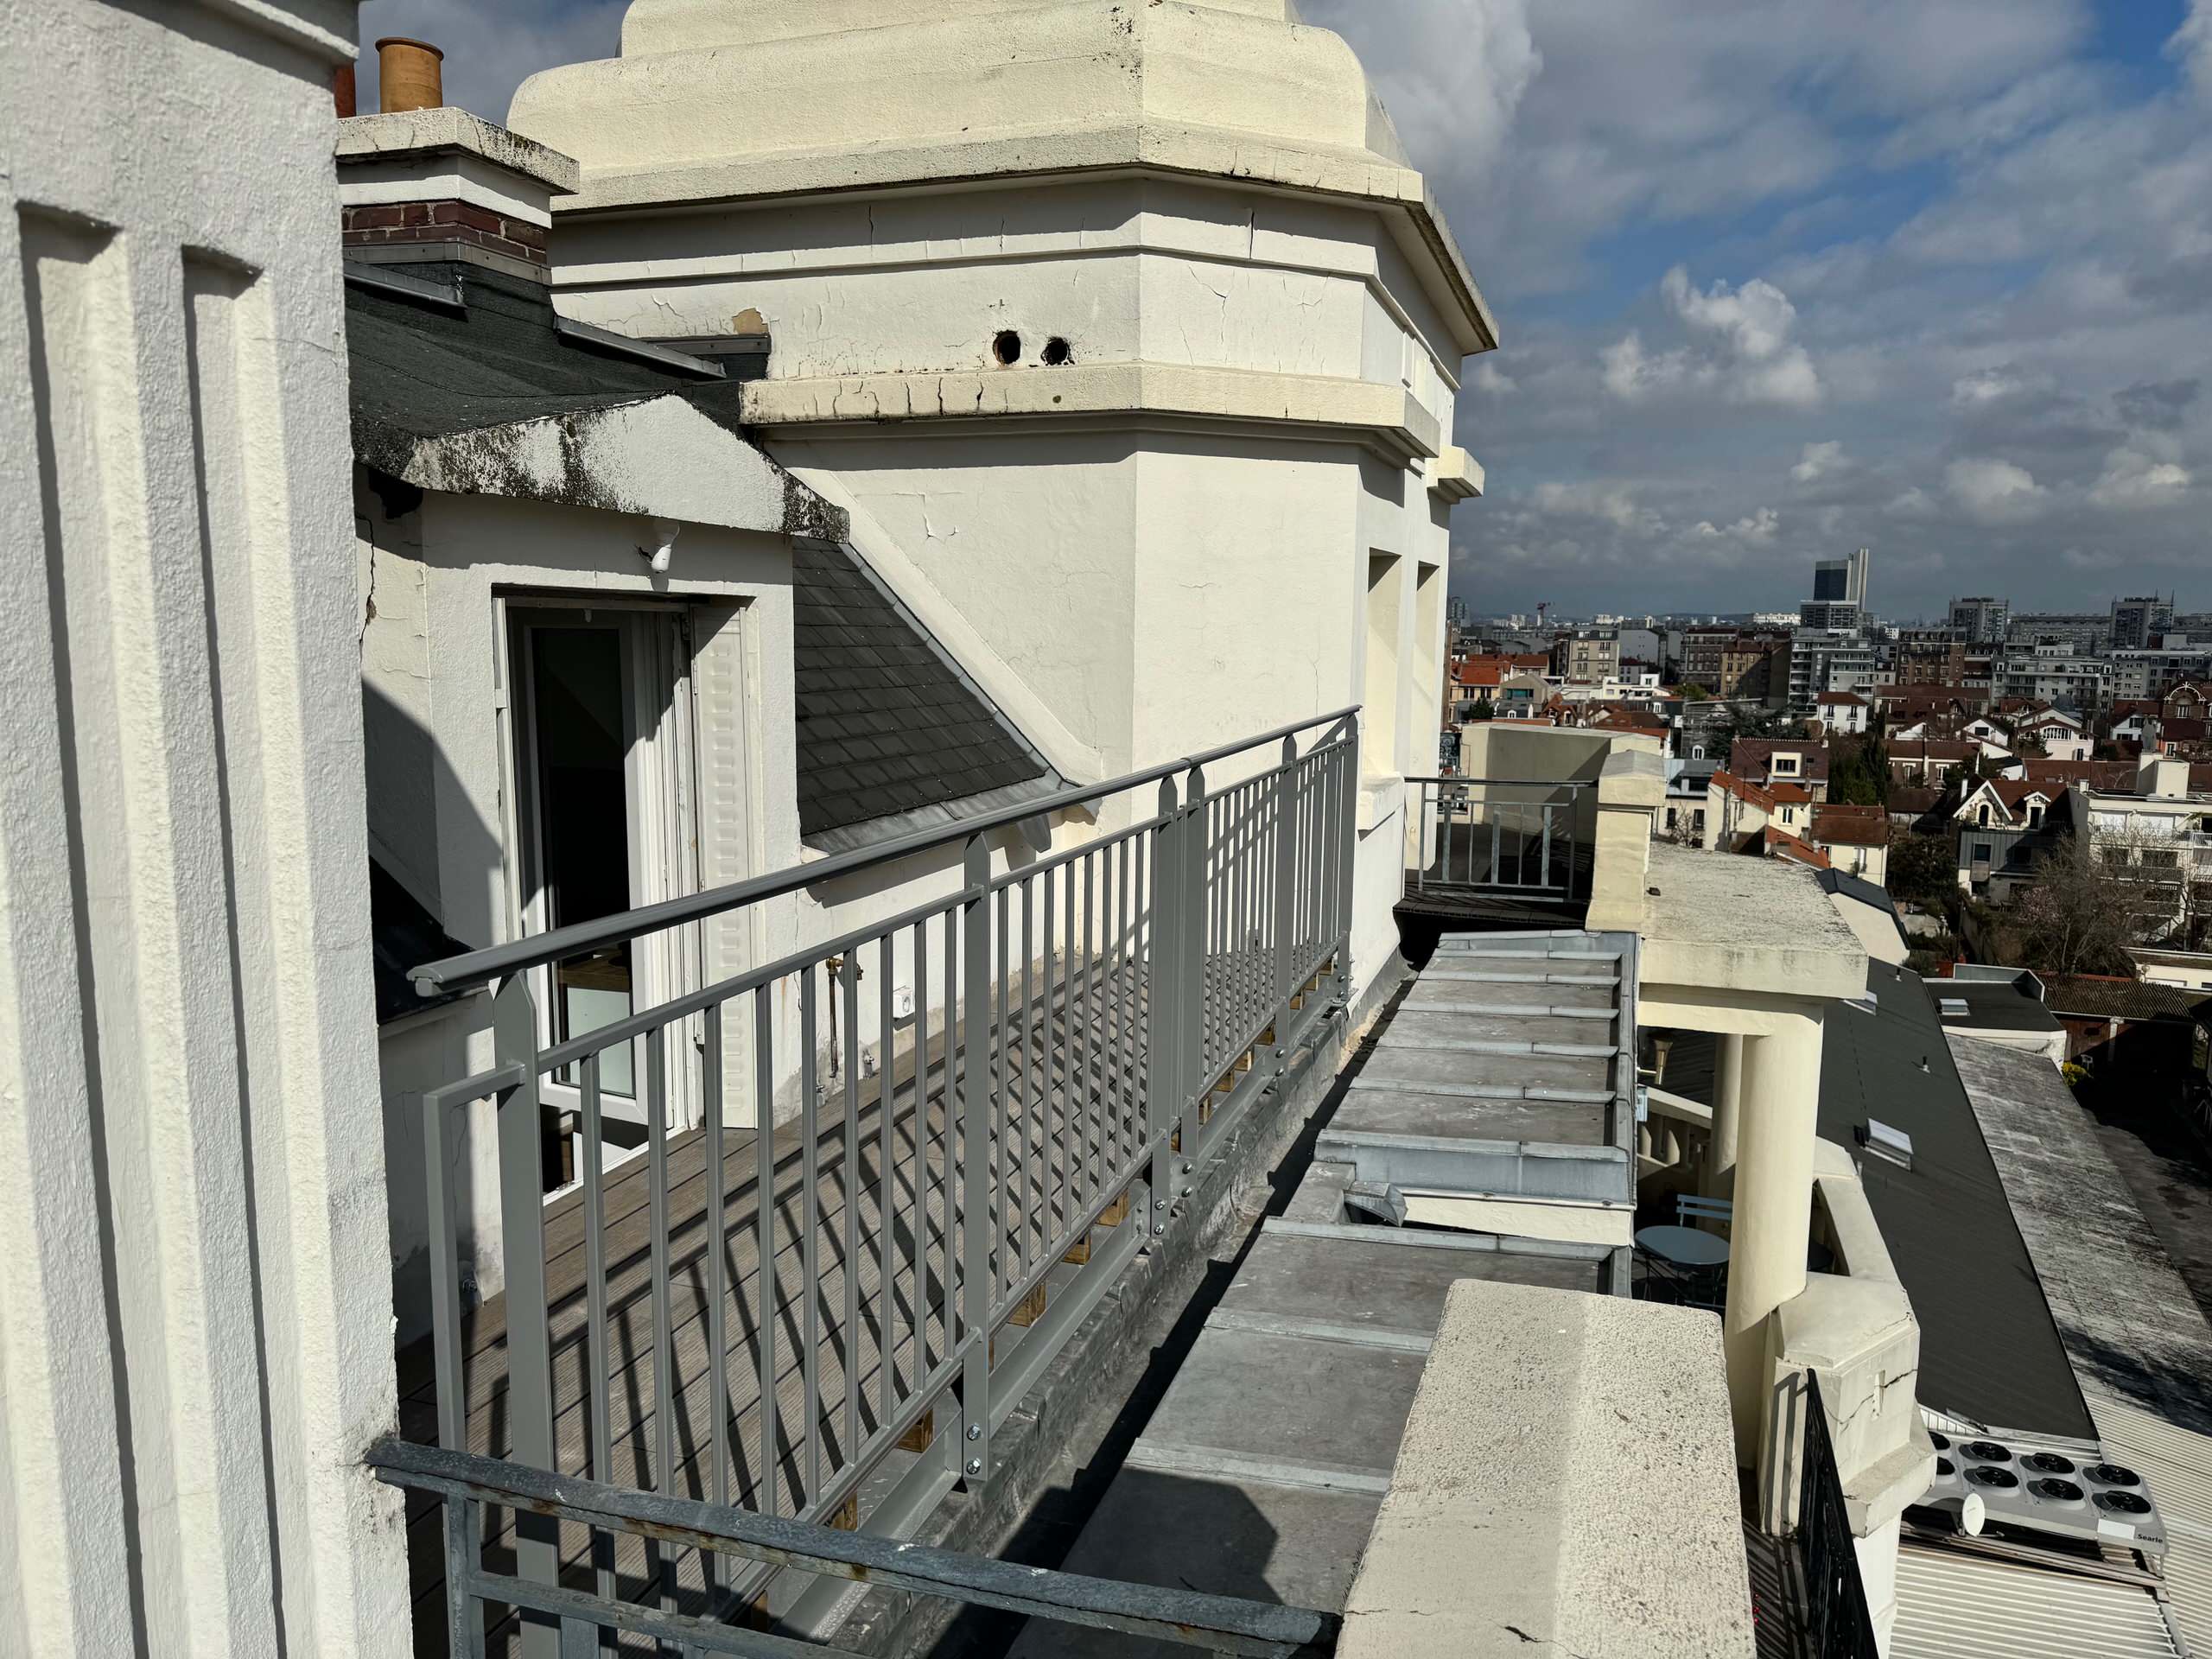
(1980, 619)
(2142, 674)
(2138, 622)
(1837, 615)
(1827, 659)
(2057, 675)
(1934, 656)
(1701, 651)
(2086, 631)
(1590, 657)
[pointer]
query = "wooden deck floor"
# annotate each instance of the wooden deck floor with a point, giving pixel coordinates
(1068, 1122)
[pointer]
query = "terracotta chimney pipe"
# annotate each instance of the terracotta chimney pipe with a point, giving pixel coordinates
(341, 88)
(408, 75)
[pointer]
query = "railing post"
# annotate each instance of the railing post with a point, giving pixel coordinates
(1347, 841)
(1286, 898)
(529, 1355)
(1166, 1000)
(976, 1226)
(1191, 1027)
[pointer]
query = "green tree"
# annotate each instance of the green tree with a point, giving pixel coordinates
(1693, 693)
(1923, 869)
(1483, 709)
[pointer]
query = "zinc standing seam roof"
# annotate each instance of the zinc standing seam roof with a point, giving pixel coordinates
(1955, 1604)
(2177, 1464)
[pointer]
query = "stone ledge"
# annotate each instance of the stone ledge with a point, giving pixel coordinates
(1387, 416)
(1566, 1484)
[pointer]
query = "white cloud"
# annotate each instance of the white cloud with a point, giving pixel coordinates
(2132, 479)
(1489, 378)
(1995, 383)
(2191, 46)
(1610, 502)
(1763, 526)
(1819, 461)
(1740, 348)
(1994, 492)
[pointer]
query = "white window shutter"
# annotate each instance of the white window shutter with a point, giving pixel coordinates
(725, 830)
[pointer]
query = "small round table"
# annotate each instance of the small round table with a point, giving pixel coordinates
(1685, 1247)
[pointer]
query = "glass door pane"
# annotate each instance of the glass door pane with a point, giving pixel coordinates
(580, 740)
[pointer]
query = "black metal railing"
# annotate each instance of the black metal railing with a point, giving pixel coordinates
(1532, 838)
(1838, 1625)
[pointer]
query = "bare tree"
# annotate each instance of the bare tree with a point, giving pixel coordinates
(2078, 916)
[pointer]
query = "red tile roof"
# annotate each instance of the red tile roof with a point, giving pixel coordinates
(1728, 784)
(1783, 844)
(1851, 826)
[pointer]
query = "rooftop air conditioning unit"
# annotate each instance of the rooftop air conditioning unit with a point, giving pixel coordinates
(2045, 1490)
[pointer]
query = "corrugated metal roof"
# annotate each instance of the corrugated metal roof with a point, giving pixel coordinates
(1952, 1605)
(2177, 1464)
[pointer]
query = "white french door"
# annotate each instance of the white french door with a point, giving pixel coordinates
(605, 727)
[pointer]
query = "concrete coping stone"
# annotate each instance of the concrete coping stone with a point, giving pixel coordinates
(1566, 1484)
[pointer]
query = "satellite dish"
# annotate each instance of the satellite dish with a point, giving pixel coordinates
(1972, 1515)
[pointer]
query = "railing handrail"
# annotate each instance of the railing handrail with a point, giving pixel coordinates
(1222, 1624)
(1506, 782)
(474, 967)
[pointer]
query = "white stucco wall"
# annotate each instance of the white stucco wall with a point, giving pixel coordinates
(196, 1319)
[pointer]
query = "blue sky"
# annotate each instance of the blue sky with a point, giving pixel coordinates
(1776, 279)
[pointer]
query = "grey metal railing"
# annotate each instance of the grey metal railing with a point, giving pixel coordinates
(1099, 1007)
(1531, 838)
(468, 1485)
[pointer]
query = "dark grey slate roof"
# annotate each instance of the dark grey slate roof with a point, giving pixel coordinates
(1990, 1006)
(421, 371)
(1855, 886)
(888, 726)
(892, 736)
(1990, 1350)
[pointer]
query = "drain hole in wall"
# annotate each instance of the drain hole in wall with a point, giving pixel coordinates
(1056, 351)
(1006, 345)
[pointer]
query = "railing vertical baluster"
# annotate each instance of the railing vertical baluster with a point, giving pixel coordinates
(600, 1374)
(1164, 1003)
(1027, 1251)
(1001, 1113)
(958, 1058)
(1345, 836)
(764, 1148)
(1060, 1079)
(530, 1350)
(1544, 871)
(445, 1275)
(1098, 929)
(462, 1624)
(976, 1273)
(716, 1486)
(1195, 857)
(1124, 972)
(849, 1187)
(917, 1235)
(663, 1561)
(886, 1158)
(1286, 901)
(809, 1245)
(1079, 1105)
